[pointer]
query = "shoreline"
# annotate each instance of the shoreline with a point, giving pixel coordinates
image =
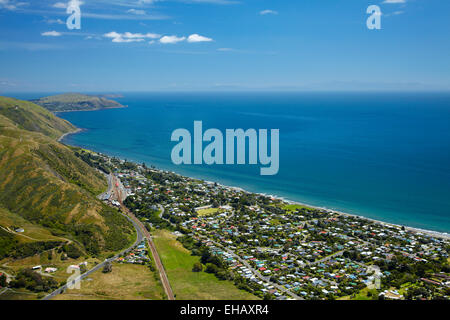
(78, 130)
(437, 234)
(97, 109)
(432, 233)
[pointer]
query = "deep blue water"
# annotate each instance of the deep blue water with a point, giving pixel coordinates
(381, 155)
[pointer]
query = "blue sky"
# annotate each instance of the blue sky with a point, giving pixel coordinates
(196, 45)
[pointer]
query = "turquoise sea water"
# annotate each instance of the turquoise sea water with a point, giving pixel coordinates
(381, 155)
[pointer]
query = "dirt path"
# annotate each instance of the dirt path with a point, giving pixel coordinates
(28, 237)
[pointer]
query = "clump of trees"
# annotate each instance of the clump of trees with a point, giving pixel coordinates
(198, 267)
(213, 264)
(93, 160)
(3, 281)
(33, 281)
(72, 251)
(146, 209)
(107, 268)
(10, 247)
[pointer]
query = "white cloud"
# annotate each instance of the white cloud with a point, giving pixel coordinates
(171, 39)
(140, 35)
(60, 5)
(11, 4)
(130, 37)
(55, 21)
(395, 13)
(64, 5)
(151, 37)
(265, 12)
(137, 12)
(394, 1)
(215, 1)
(198, 38)
(51, 34)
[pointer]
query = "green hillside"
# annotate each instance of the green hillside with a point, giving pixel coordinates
(44, 185)
(76, 102)
(29, 116)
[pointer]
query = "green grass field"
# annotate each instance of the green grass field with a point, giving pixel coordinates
(20, 294)
(125, 282)
(186, 284)
(362, 295)
(207, 212)
(293, 207)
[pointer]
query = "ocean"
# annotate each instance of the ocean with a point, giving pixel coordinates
(385, 156)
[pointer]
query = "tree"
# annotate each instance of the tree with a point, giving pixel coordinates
(198, 267)
(31, 280)
(267, 296)
(107, 268)
(3, 281)
(211, 268)
(215, 204)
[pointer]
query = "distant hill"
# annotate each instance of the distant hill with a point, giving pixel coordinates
(44, 184)
(28, 116)
(76, 102)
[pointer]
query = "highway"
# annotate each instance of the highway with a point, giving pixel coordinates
(107, 194)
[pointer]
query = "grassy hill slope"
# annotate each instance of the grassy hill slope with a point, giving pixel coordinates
(76, 101)
(43, 182)
(29, 116)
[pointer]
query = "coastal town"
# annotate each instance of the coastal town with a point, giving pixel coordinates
(276, 249)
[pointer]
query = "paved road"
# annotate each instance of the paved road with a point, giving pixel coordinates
(336, 254)
(139, 239)
(118, 191)
(107, 194)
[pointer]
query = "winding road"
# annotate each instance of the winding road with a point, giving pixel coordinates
(63, 288)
